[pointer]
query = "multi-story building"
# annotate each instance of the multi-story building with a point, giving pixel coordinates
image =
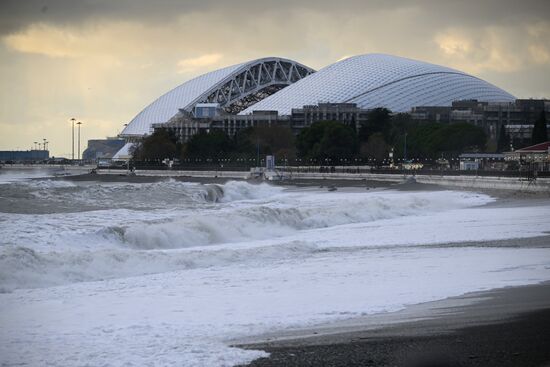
(209, 116)
(346, 113)
(517, 117)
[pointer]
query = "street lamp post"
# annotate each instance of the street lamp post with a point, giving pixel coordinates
(405, 148)
(35, 145)
(44, 146)
(79, 123)
(73, 120)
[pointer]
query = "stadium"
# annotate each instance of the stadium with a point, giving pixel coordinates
(277, 84)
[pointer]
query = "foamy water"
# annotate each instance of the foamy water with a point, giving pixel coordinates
(165, 273)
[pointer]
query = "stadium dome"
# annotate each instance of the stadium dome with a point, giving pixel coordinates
(377, 80)
(234, 88)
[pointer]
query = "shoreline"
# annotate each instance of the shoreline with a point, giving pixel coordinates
(540, 185)
(498, 327)
(506, 195)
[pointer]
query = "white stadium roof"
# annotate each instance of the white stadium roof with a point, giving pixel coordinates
(377, 80)
(276, 84)
(233, 87)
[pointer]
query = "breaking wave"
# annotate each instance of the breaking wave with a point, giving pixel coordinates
(22, 267)
(239, 229)
(285, 217)
(52, 196)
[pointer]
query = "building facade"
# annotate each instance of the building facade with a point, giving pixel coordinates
(347, 113)
(24, 155)
(102, 148)
(518, 117)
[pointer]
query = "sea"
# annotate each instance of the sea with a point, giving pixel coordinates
(172, 273)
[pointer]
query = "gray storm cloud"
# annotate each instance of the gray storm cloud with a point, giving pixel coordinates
(17, 14)
(103, 61)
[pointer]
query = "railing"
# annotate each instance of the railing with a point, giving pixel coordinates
(245, 167)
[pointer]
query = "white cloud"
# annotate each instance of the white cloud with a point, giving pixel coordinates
(44, 40)
(191, 65)
(492, 49)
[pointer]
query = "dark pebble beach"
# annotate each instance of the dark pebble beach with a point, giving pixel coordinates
(509, 327)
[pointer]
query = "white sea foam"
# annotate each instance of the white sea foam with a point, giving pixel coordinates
(11, 175)
(55, 249)
(177, 269)
(288, 215)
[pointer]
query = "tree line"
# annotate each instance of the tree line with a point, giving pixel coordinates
(332, 141)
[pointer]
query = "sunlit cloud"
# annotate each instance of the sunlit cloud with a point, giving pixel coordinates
(45, 40)
(490, 49)
(453, 44)
(194, 64)
(540, 54)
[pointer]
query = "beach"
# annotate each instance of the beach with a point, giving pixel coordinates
(502, 327)
(113, 270)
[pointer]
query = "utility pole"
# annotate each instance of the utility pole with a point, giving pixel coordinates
(405, 148)
(258, 152)
(73, 120)
(79, 123)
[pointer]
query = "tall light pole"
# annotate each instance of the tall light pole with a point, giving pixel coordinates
(35, 145)
(405, 148)
(73, 120)
(44, 143)
(79, 123)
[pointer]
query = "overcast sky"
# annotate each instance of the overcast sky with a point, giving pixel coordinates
(103, 61)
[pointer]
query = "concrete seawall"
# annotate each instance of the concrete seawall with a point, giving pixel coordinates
(70, 169)
(480, 182)
(497, 183)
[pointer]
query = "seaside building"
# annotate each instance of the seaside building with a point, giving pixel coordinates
(186, 124)
(518, 117)
(536, 156)
(23, 155)
(102, 148)
(276, 90)
(347, 113)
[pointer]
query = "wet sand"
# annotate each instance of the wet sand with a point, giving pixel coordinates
(503, 327)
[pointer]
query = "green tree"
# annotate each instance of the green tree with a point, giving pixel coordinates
(327, 140)
(540, 133)
(503, 142)
(432, 140)
(277, 140)
(378, 121)
(376, 147)
(157, 146)
(208, 145)
(243, 142)
(460, 137)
